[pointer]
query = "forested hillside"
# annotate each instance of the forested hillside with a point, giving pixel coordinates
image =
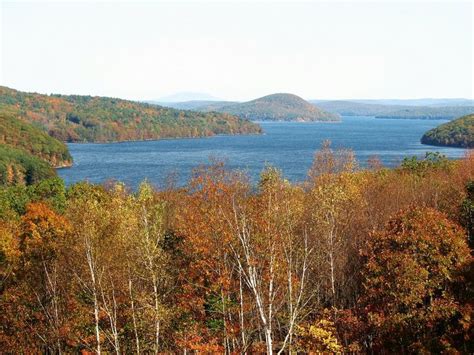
(275, 107)
(372, 261)
(457, 133)
(17, 133)
(101, 119)
(20, 167)
(28, 154)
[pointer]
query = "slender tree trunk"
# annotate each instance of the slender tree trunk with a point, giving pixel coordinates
(269, 341)
(91, 264)
(132, 303)
(157, 317)
(242, 324)
(225, 343)
(154, 279)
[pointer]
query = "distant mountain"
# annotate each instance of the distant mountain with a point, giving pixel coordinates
(429, 113)
(353, 108)
(186, 96)
(406, 102)
(457, 133)
(275, 107)
(74, 118)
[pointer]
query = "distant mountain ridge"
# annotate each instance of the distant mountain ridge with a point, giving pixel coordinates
(379, 110)
(406, 102)
(429, 113)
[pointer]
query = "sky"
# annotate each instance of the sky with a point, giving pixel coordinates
(239, 50)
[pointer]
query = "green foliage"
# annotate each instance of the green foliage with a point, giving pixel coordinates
(52, 191)
(14, 199)
(21, 135)
(101, 119)
(20, 167)
(432, 160)
(27, 154)
(457, 133)
(468, 212)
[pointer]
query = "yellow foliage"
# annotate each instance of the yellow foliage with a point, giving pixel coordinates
(319, 336)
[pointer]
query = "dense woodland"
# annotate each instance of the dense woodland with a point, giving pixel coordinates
(20, 167)
(100, 119)
(350, 260)
(28, 154)
(19, 134)
(457, 133)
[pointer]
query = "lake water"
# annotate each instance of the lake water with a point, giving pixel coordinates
(289, 146)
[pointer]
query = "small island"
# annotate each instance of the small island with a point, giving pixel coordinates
(457, 133)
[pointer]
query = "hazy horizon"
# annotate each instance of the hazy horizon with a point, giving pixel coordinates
(239, 51)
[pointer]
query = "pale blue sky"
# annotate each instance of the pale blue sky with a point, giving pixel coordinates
(239, 51)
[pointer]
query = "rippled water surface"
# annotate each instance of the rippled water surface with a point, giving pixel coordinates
(287, 145)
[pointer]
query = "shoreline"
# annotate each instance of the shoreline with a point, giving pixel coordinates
(167, 138)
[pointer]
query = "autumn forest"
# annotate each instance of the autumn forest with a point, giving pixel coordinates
(370, 260)
(236, 177)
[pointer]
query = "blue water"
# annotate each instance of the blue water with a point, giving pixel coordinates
(289, 146)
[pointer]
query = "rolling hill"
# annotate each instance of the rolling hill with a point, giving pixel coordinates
(457, 133)
(74, 118)
(275, 107)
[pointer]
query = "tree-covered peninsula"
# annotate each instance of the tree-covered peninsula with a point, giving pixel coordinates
(73, 118)
(457, 133)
